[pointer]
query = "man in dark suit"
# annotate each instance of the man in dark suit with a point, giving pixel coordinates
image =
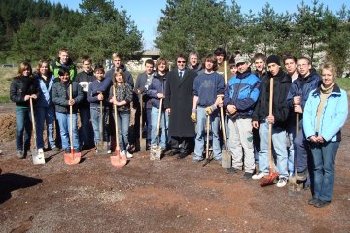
(178, 104)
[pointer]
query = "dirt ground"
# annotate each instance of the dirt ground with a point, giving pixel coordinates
(170, 195)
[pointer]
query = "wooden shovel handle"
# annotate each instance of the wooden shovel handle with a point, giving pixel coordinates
(207, 146)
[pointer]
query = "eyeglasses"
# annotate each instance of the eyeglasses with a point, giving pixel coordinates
(181, 61)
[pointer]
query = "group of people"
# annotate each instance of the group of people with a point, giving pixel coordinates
(303, 111)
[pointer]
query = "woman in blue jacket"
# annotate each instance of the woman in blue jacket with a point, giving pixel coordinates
(325, 113)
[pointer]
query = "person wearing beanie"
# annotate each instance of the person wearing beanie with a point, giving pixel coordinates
(280, 111)
(327, 103)
(307, 80)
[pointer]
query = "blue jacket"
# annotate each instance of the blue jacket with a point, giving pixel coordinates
(92, 98)
(207, 87)
(333, 117)
(243, 92)
(302, 87)
(45, 90)
(157, 86)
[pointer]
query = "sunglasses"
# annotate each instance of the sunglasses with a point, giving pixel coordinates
(181, 61)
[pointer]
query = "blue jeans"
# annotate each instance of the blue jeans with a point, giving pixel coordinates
(95, 119)
(323, 157)
(85, 131)
(163, 126)
(149, 124)
(200, 134)
(45, 114)
(23, 127)
(64, 124)
(123, 127)
(279, 148)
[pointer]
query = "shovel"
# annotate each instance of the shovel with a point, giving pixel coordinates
(269, 179)
(101, 148)
(226, 157)
(71, 158)
(117, 159)
(37, 155)
(156, 151)
(294, 179)
(207, 158)
(142, 142)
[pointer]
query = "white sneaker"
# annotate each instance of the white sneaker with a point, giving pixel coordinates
(258, 176)
(282, 182)
(122, 153)
(128, 155)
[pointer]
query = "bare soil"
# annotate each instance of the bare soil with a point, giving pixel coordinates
(170, 195)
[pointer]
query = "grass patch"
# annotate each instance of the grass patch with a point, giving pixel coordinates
(344, 83)
(6, 76)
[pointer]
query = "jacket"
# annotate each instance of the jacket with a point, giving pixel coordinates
(21, 86)
(92, 98)
(45, 90)
(123, 92)
(157, 86)
(84, 79)
(60, 96)
(333, 117)
(243, 92)
(280, 109)
(56, 65)
(143, 83)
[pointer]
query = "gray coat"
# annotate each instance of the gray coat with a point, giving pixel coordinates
(60, 96)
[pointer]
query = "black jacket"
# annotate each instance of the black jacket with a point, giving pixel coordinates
(60, 96)
(280, 109)
(22, 86)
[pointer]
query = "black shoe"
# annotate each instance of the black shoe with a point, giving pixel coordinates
(312, 201)
(172, 152)
(247, 176)
(182, 155)
(232, 170)
(321, 204)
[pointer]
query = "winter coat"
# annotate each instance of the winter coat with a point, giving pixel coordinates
(60, 96)
(178, 97)
(84, 79)
(123, 92)
(21, 86)
(56, 65)
(280, 109)
(157, 86)
(243, 92)
(333, 117)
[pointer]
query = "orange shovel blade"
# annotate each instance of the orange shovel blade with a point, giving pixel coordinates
(72, 158)
(118, 160)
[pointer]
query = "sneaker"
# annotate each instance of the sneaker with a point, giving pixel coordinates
(109, 151)
(282, 182)
(321, 204)
(40, 150)
(20, 154)
(258, 176)
(312, 201)
(128, 155)
(247, 176)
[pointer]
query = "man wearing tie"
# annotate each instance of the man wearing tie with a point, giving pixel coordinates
(178, 104)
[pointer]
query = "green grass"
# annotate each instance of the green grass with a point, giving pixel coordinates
(6, 75)
(344, 83)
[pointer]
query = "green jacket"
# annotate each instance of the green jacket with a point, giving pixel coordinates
(56, 65)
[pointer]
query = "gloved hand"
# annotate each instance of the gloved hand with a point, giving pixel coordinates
(209, 110)
(194, 116)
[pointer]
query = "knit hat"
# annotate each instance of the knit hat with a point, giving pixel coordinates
(273, 59)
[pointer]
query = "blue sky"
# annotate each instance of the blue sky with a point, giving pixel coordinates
(146, 13)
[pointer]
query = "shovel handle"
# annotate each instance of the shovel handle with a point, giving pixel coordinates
(116, 120)
(223, 125)
(207, 146)
(101, 121)
(159, 115)
(71, 117)
(225, 71)
(33, 121)
(270, 125)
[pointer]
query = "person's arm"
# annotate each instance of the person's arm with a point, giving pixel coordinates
(14, 96)
(90, 97)
(57, 97)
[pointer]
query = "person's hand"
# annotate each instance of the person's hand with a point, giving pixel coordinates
(270, 119)
(100, 96)
(112, 100)
(231, 109)
(71, 102)
(296, 100)
(320, 139)
(298, 109)
(33, 96)
(255, 124)
(313, 139)
(168, 110)
(26, 97)
(209, 110)
(219, 101)
(160, 95)
(194, 116)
